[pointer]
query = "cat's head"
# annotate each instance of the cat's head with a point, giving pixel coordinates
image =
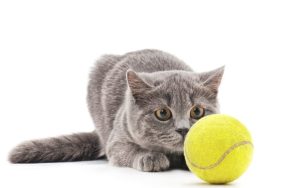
(162, 106)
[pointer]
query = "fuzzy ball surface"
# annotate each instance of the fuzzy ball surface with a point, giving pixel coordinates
(218, 149)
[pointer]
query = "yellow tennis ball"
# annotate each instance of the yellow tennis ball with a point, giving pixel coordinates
(218, 149)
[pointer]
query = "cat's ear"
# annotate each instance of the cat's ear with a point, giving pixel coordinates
(136, 84)
(212, 79)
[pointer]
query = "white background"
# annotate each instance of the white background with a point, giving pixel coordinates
(48, 47)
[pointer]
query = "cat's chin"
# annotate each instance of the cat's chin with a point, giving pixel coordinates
(176, 148)
(179, 148)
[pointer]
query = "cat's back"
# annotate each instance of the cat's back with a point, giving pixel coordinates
(140, 61)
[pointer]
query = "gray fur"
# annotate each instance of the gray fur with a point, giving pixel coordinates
(123, 93)
(76, 147)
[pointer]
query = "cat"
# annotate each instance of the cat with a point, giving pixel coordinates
(143, 104)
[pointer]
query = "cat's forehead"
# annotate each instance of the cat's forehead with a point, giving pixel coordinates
(175, 80)
(170, 77)
(179, 87)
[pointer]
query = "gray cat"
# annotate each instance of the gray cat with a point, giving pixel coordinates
(143, 104)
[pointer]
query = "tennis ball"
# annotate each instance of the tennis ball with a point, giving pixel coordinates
(218, 149)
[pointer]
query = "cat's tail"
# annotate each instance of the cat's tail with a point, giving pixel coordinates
(75, 147)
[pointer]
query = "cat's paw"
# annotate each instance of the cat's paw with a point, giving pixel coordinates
(151, 162)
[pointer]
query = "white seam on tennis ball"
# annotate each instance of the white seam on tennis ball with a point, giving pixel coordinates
(222, 157)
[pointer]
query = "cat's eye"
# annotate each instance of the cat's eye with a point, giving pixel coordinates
(197, 112)
(163, 114)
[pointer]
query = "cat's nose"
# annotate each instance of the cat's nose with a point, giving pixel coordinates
(182, 131)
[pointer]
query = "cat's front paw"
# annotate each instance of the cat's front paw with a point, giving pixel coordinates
(151, 162)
